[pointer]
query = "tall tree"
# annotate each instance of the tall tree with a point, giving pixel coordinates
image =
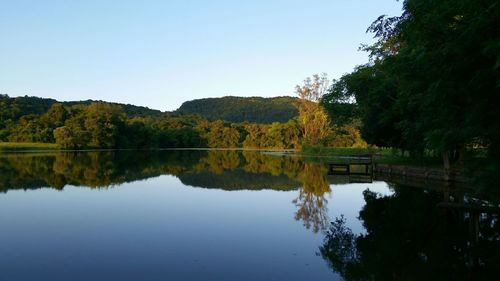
(432, 80)
(103, 122)
(312, 117)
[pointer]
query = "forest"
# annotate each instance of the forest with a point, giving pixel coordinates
(98, 124)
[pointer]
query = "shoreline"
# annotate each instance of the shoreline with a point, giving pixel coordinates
(383, 169)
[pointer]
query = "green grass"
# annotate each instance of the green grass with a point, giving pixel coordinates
(342, 151)
(429, 162)
(380, 155)
(27, 146)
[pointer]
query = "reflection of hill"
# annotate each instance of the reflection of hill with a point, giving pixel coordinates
(91, 169)
(228, 170)
(238, 179)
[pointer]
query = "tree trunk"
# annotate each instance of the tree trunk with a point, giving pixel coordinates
(461, 155)
(446, 164)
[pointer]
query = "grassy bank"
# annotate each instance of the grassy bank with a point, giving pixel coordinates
(340, 151)
(380, 155)
(27, 146)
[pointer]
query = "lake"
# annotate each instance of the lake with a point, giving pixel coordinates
(231, 215)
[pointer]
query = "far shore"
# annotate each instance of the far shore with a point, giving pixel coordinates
(384, 160)
(47, 147)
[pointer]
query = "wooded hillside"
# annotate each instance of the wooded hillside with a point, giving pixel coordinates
(240, 109)
(14, 108)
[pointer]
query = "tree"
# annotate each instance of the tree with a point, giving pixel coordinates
(291, 134)
(222, 136)
(76, 125)
(340, 103)
(64, 137)
(256, 135)
(103, 122)
(312, 117)
(431, 82)
(56, 115)
(375, 91)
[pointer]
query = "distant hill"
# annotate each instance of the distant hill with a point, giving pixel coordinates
(232, 109)
(240, 109)
(129, 109)
(15, 107)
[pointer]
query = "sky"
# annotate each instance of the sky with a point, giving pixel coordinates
(161, 53)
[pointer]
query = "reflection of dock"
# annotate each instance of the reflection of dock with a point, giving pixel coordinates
(359, 169)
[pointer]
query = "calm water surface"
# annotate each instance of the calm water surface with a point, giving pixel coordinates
(227, 215)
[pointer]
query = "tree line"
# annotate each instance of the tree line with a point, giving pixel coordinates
(107, 125)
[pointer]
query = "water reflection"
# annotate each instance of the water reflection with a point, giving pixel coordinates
(105, 169)
(311, 201)
(229, 170)
(405, 236)
(409, 238)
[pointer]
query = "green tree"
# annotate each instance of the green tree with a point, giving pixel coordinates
(312, 117)
(222, 136)
(432, 80)
(76, 124)
(103, 122)
(56, 115)
(256, 135)
(64, 137)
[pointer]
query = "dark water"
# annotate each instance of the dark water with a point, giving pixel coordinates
(227, 215)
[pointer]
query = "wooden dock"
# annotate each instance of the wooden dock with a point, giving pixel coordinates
(359, 168)
(362, 165)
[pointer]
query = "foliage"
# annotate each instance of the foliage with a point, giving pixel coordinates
(432, 80)
(107, 125)
(313, 119)
(240, 109)
(277, 135)
(222, 135)
(339, 103)
(87, 124)
(342, 151)
(17, 146)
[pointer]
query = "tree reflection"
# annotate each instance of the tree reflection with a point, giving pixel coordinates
(90, 169)
(311, 201)
(107, 168)
(340, 248)
(224, 169)
(264, 163)
(217, 161)
(408, 238)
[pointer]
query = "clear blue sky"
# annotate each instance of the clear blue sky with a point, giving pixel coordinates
(161, 53)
